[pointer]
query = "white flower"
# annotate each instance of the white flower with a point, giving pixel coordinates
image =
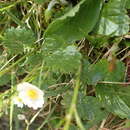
(18, 101)
(21, 117)
(30, 95)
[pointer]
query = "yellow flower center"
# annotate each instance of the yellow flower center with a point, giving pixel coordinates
(32, 94)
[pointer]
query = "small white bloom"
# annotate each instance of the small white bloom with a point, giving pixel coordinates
(21, 117)
(30, 95)
(18, 101)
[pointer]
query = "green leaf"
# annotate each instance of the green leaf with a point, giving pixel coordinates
(33, 60)
(114, 20)
(124, 93)
(40, 1)
(84, 72)
(98, 40)
(48, 15)
(100, 71)
(75, 24)
(4, 79)
(66, 60)
(89, 108)
(18, 39)
(57, 91)
(112, 101)
(117, 74)
(73, 127)
(67, 97)
(96, 72)
(52, 44)
(128, 4)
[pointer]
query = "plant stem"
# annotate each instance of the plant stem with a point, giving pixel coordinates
(40, 75)
(41, 126)
(73, 103)
(79, 123)
(116, 83)
(27, 128)
(12, 105)
(10, 67)
(11, 116)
